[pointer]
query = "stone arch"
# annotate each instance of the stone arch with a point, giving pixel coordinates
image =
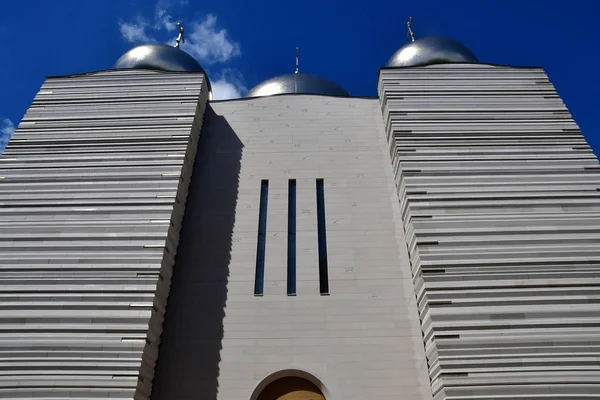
(290, 384)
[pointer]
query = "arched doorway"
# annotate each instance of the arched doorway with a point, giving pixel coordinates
(291, 388)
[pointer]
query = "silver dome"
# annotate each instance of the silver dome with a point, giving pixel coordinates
(431, 50)
(297, 83)
(158, 56)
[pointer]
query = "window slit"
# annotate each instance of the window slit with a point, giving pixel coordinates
(262, 231)
(291, 255)
(322, 239)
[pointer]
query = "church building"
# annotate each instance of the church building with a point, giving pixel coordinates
(438, 241)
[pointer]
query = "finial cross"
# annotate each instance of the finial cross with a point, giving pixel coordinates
(180, 38)
(410, 31)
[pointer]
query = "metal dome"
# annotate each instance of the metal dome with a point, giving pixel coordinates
(297, 83)
(431, 50)
(158, 56)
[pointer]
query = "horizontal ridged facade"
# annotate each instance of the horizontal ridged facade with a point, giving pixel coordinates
(500, 199)
(93, 186)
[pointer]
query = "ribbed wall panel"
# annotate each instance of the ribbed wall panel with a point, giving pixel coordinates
(501, 205)
(93, 186)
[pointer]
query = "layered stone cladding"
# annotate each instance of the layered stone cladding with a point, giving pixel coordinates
(93, 185)
(499, 195)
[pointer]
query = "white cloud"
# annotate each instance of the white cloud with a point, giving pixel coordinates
(135, 31)
(223, 90)
(164, 20)
(228, 85)
(7, 128)
(208, 43)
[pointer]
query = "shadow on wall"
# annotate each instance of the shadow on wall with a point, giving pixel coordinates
(189, 354)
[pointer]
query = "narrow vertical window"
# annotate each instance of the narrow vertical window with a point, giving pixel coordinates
(291, 255)
(262, 237)
(321, 229)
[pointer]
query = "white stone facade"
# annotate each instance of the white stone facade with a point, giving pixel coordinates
(363, 340)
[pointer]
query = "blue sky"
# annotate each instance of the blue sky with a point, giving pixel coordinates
(241, 43)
